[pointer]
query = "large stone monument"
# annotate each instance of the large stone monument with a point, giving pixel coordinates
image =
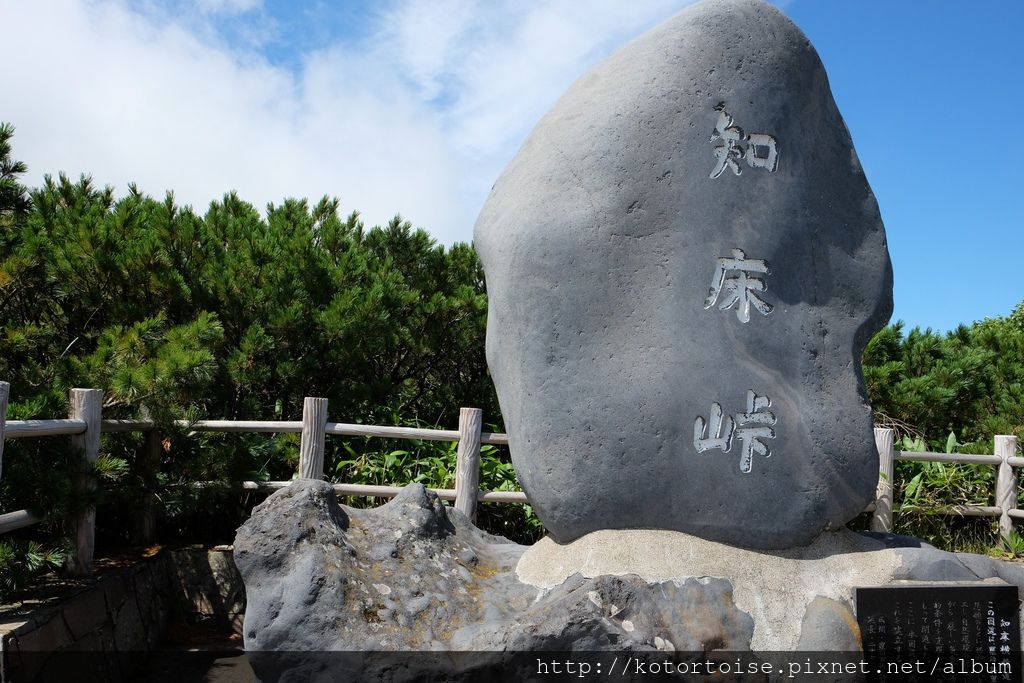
(684, 263)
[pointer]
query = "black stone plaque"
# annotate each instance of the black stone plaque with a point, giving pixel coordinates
(941, 632)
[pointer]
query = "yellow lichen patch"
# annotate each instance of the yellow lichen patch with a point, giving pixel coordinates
(851, 623)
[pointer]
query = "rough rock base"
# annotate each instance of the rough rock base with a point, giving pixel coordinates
(414, 576)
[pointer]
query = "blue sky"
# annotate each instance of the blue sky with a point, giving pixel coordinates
(414, 107)
(930, 92)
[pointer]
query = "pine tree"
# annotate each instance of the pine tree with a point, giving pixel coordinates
(14, 201)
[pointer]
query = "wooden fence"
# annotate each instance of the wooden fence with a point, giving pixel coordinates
(84, 425)
(1004, 459)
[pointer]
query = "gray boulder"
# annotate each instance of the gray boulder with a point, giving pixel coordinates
(412, 591)
(320, 576)
(395, 592)
(684, 263)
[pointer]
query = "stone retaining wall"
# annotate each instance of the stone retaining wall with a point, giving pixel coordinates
(207, 588)
(103, 630)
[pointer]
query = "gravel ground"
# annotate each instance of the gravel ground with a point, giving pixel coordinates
(197, 666)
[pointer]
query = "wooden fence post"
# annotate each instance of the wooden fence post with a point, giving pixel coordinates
(467, 469)
(311, 449)
(5, 391)
(881, 519)
(144, 532)
(1006, 483)
(86, 405)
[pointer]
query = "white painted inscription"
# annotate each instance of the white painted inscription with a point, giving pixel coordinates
(750, 427)
(759, 150)
(733, 275)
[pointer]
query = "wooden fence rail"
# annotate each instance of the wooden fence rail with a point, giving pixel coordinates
(84, 425)
(1005, 459)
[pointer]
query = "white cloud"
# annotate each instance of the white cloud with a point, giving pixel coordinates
(227, 6)
(505, 62)
(417, 117)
